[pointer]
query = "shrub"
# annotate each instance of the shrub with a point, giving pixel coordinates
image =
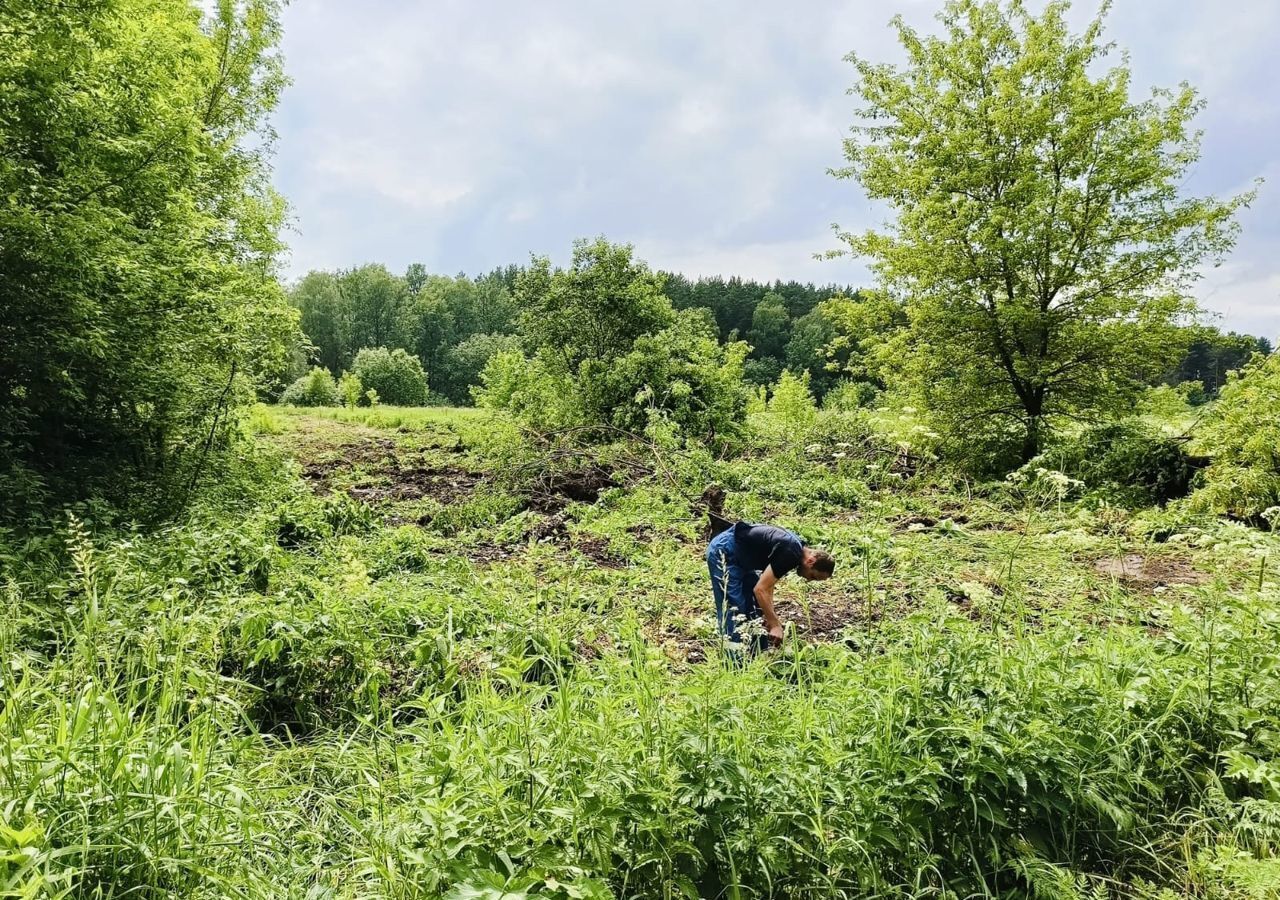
(464, 363)
(527, 389)
(316, 388)
(761, 371)
(351, 390)
(1132, 461)
(681, 375)
(395, 375)
(849, 395)
(1242, 438)
(138, 236)
(792, 401)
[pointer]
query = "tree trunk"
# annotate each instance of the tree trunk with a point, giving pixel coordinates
(1031, 440)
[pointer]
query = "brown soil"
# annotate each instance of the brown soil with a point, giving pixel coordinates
(446, 484)
(1140, 571)
(552, 491)
(963, 603)
(920, 520)
(598, 551)
(825, 617)
(395, 478)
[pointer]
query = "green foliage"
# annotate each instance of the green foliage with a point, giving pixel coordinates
(732, 301)
(595, 309)
(528, 389)
(770, 328)
(1130, 461)
(1211, 356)
(811, 335)
(762, 372)
(396, 377)
(324, 318)
(352, 391)
(448, 323)
(1041, 241)
(792, 401)
(862, 329)
(848, 395)
(1242, 437)
(137, 240)
(374, 301)
(609, 350)
(679, 375)
(463, 364)
(316, 388)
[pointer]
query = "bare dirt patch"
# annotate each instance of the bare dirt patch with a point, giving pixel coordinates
(446, 484)
(387, 472)
(598, 551)
(963, 604)
(825, 618)
(1140, 571)
(550, 492)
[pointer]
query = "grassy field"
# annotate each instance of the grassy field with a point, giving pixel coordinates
(404, 654)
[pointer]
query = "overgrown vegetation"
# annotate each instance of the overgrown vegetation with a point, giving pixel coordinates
(412, 676)
(606, 348)
(348, 645)
(1243, 434)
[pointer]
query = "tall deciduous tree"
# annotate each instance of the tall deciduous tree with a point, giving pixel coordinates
(375, 301)
(770, 327)
(137, 235)
(325, 319)
(1041, 241)
(593, 310)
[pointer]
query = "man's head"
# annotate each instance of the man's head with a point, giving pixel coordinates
(817, 565)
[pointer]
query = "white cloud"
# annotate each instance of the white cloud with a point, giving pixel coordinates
(1244, 298)
(416, 181)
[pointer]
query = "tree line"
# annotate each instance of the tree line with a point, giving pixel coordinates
(455, 324)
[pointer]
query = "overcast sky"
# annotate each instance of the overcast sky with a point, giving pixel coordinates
(465, 135)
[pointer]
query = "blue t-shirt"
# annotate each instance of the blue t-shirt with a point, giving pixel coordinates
(767, 546)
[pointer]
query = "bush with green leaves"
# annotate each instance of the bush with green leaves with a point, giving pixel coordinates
(1242, 438)
(792, 401)
(396, 376)
(529, 390)
(608, 349)
(680, 375)
(1130, 461)
(464, 362)
(848, 395)
(316, 388)
(351, 391)
(137, 242)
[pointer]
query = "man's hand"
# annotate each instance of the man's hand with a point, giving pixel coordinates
(775, 633)
(764, 597)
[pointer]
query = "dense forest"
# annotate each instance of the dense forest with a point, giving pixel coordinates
(406, 585)
(454, 325)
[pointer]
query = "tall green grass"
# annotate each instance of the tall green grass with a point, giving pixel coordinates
(298, 702)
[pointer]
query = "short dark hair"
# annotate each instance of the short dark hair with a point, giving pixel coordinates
(823, 562)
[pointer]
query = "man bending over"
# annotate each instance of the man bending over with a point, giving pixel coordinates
(746, 561)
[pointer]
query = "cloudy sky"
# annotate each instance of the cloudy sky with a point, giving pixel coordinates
(466, 135)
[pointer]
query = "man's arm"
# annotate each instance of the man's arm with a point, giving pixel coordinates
(764, 597)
